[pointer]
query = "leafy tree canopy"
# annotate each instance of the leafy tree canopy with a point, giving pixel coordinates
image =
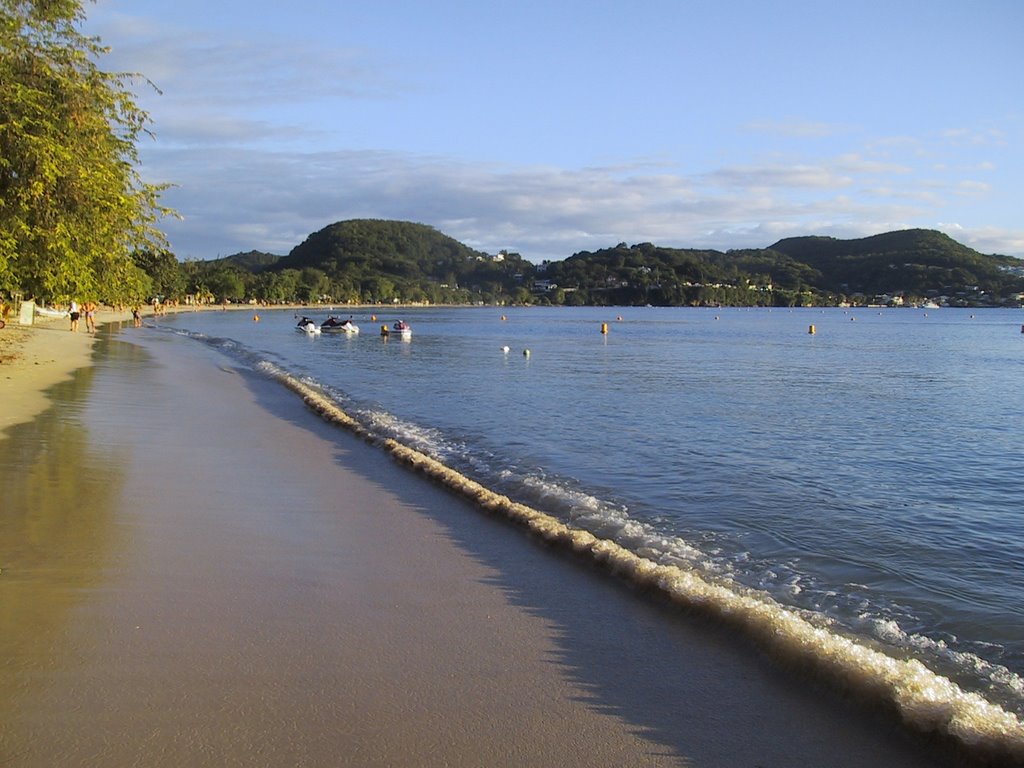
(72, 204)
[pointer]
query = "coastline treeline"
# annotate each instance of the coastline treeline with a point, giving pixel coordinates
(73, 208)
(365, 261)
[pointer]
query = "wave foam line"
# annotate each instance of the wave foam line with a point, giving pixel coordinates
(925, 699)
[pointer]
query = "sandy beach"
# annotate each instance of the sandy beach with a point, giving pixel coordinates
(195, 569)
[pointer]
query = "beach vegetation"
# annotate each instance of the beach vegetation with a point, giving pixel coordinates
(73, 206)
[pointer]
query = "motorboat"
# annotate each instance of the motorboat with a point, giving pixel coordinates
(307, 326)
(334, 325)
(401, 329)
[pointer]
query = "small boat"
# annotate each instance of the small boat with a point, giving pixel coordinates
(308, 327)
(51, 312)
(403, 329)
(334, 325)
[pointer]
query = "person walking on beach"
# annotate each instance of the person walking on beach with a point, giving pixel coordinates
(90, 316)
(136, 317)
(73, 310)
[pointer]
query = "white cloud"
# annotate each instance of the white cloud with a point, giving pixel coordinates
(240, 199)
(972, 188)
(195, 69)
(796, 129)
(996, 240)
(778, 175)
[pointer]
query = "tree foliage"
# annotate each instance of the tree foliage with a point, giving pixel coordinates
(72, 204)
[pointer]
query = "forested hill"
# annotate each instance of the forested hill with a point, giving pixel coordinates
(251, 261)
(392, 247)
(920, 259)
(372, 261)
(911, 264)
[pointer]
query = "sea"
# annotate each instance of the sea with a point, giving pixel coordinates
(860, 471)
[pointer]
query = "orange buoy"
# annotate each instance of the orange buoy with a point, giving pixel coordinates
(604, 327)
(812, 330)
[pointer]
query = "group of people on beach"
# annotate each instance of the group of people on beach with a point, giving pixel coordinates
(76, 312)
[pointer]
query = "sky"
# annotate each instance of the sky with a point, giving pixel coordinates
(549, 127)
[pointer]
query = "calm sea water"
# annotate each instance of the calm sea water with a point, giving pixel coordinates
(869, 474)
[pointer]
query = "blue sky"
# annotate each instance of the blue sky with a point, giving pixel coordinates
(552, 127)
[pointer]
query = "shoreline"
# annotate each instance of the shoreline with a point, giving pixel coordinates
(37, 357)
(301, 596)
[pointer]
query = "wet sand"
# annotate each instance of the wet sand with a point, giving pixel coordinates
(197, 570)
(34, 358)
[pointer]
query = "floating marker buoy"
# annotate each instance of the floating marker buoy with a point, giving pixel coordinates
(619, 318)
(505, 349)
(384, 330)
(812, 330)
(373, 318)
(255, 318)
(504, 318)
(604, 327)
(526, 353)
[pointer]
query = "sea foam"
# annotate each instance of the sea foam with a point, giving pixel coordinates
(926, 700)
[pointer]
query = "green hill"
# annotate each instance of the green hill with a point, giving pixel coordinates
(917, 260)
(380, 261)
(395, 248)
(912, 263)
(253, 261)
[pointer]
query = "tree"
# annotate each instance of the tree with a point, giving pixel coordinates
(72, 204)
(165, 271)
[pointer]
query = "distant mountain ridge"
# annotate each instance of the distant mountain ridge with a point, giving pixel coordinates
(253, 261)
(372, 260)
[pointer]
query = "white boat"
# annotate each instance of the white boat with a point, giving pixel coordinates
(51, 312)
(334, 325)
(403, 329)
(308, 327)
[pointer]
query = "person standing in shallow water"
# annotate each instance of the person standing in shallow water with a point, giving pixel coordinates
(73, 310)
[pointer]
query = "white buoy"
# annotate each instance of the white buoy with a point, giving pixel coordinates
(505, 349)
